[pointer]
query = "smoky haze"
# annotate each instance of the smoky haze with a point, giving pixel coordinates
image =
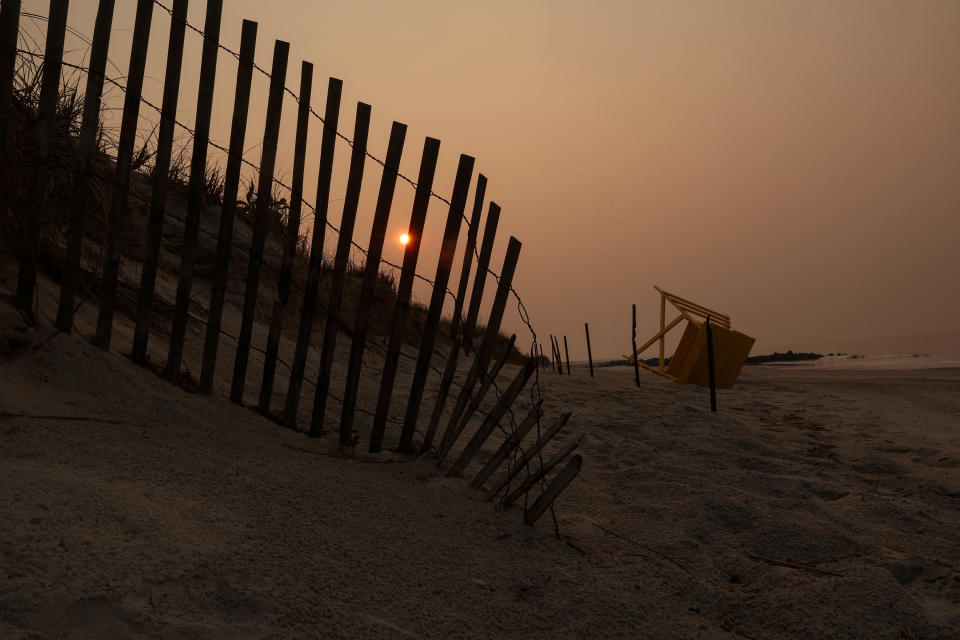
(794, 165)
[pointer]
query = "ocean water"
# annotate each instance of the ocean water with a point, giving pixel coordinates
(924, 351)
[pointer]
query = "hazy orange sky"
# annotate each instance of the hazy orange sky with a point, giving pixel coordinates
(793, 164)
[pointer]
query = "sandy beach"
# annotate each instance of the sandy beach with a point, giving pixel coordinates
(816, 503)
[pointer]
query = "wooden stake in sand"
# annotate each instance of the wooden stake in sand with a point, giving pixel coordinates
(368, 287)
(121, 176)
(713, 377)
(636, 355)
(421, 201)
(161, 176)
(231, 184)
(566, 352)
(354, 181)
(268, 159)
(291, 239)
(195, 191)
(327, 148)
(85, 149)
(43, 134)
(586, 328)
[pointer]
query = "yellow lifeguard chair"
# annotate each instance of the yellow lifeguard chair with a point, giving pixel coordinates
(689, 363)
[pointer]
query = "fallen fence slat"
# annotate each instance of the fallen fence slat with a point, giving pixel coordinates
(411, 253)
(540, 442)
(304, 331)
(86, 145)
(548, 466)
(368, 288)
(290, 241)
(493, 418)
(342, 258)
(485, 352)
(231, 185)
(563, 479)
(161, 180)
(121, 177)
(448, 250)
(513, 440)
(479, 280)
(268, 159)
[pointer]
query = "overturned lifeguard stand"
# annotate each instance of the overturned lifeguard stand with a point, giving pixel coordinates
(690, 362)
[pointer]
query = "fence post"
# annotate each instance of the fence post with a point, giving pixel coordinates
(278, 74)
(448, 249)
(563, 479)
(85, 148)
(421, 202)
(49, 92)
(566, 352)
(9, 29)
(121, 178)
(479, 280)
(711, 371)
(468, 254)
(485, 352)
(231, 184)
(195, 190)
(368, 288)
(586, 328)
(290, 243)
(161, 173)
(493, 418)
(636, 356)
(344, 242)
(305, 329)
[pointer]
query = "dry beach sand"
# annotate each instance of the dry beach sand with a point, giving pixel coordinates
(815, 504)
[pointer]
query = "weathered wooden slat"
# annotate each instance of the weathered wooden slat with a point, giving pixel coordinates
(636, 355)
(491, 376)
(307, 310)
(534, 450)
(421, 202)
(335, 301)
(488, 379)
(290, 243)
(9, 29)
(39, 170)
(493, 418)
(531, 480)
(268, 158)
(448, 250)
(563, 479)
(368, 288)
(482, 360)
(511, 442)
(566, 352)
(196, 187)
(586, 328)
(481, 190)
(480, 279)
(86, 145)
(161, 176)
(231, 185)
(121, 177)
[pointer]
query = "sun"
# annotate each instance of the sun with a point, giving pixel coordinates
(404, 239)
